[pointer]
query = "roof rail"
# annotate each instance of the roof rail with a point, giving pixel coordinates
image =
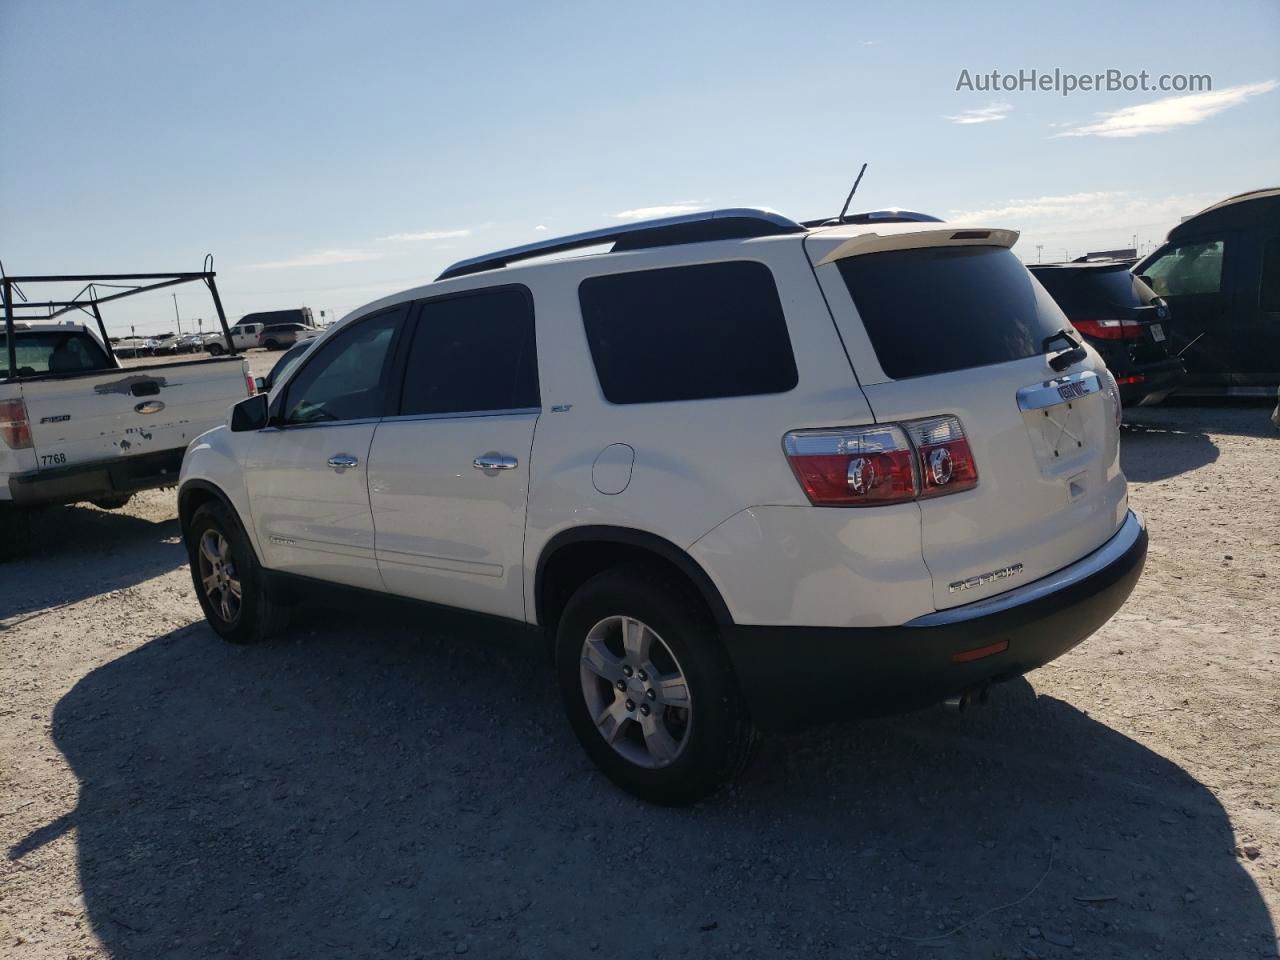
(733, 223)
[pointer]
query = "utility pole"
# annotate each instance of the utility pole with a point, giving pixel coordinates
(176, 314)
(1039, 247)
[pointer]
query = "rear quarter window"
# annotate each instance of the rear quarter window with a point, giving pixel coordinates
(688, 333)
(936, 309)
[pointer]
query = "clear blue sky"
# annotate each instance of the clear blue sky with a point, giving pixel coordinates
(329, 153)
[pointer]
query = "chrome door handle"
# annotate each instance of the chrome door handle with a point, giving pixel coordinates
(495, 461)
(342, 461)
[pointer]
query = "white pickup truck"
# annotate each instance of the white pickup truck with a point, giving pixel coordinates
(77, 426)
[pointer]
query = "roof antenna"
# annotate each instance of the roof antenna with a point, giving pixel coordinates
(849, 199)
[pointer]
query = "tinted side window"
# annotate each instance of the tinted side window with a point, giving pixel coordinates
(347, 379)
(688, 333)
(1189, 269)
(474, 352)
(1269, 295)
(935, 309)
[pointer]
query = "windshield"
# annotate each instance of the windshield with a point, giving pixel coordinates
(53, 352)
(935, 309)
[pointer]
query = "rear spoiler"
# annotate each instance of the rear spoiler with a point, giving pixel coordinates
(911, 239)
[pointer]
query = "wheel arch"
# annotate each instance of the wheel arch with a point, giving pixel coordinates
(193, 494)
(572, 556)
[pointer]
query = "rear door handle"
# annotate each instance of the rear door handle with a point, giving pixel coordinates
(495, 461)
(342, 461)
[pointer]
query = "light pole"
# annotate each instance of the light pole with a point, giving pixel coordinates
(1039, 247)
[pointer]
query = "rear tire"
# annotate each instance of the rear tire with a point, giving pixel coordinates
(645, 630)
(230, 584)
(216, 349)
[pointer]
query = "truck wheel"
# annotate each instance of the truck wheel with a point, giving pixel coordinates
(648, 688)
(112, 503)
(216, 349)
(271, 345)
(15, 532)
(230, 584)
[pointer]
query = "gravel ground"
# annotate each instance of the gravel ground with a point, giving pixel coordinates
(376, 787)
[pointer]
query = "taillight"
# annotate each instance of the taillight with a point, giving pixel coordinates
(885, 463)
(946, 462)
(15, 429)
(855, 466)
(1110, 329)
(1130, 381)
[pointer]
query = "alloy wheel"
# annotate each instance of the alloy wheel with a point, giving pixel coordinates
(636, 692)
(218, 575)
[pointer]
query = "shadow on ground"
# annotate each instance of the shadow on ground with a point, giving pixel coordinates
(79, 552)
(379, 790)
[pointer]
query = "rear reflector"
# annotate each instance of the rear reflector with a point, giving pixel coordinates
(978, 653)
(884, 463)
(1110, 329)
(1130, 381)
(15, 429)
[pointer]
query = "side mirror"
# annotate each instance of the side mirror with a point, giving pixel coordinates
(260, 384)
(250, 414)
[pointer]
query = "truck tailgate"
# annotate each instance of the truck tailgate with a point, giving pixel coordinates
(137, 410)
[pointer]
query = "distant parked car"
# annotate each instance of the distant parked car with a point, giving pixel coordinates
(277, 336)
(132, 347)
(1122, 319)
(191, 342)
(1220, 274)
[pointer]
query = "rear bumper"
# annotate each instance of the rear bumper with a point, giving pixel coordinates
(98, 480)
(1158, 381)
(795, 676)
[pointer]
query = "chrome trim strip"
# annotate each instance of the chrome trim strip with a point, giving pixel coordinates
(1050, 393)
(468, 414)
(500, 258)
(1100, 559)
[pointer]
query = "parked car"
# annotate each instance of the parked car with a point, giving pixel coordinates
(1120, 317)
(133, 347)
(780, 474)
(277, 336)
(1220, 274)
(76, 427)
(192, 342)
(282, 366)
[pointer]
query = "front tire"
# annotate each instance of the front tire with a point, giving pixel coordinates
(231, 586)
(648, 688)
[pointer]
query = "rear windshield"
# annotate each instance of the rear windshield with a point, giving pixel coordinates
(53, 352)
(935, 309)
(1086, 294)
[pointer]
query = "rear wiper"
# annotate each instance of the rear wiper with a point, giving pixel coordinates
(1072, 355)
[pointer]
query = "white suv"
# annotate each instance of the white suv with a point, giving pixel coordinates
(738, 470)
